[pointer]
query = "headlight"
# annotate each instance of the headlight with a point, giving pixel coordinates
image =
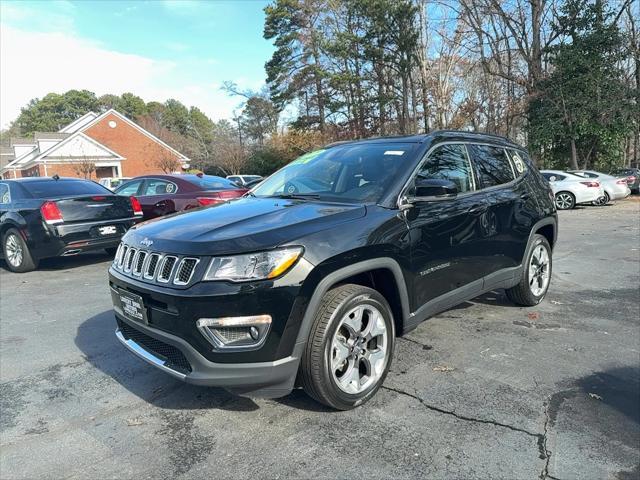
(253, 266)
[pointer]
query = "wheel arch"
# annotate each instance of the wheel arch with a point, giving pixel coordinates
(9, 221)
(382, 274)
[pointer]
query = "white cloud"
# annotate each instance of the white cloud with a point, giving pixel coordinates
(33, 64)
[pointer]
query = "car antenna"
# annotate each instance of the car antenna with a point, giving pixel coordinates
(56, 177)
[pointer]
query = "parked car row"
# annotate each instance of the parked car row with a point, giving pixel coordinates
(43, 217)
(574, 187)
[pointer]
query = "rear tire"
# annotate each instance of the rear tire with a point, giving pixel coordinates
(565, 201)
(536, 276)
(349, 349)
(16, 252)
(602, 201)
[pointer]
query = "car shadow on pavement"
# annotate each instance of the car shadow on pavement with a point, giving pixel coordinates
(96, 340)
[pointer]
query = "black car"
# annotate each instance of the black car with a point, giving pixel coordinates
(308, 279)
(44, 217)
(631, 175)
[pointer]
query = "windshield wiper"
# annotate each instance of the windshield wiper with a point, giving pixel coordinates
(296, 196)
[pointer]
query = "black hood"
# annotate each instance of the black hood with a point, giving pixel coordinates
(245, 225)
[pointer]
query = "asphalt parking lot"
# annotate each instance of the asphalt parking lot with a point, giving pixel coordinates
(485, 390)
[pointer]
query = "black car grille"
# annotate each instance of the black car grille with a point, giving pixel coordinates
(155, 266)
(172, 356)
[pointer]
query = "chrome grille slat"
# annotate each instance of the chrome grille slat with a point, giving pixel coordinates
(166, 269)
(185, 270)
(156, 267)
(139, 263)
(123, 254)
(129, 260)
(152, 265)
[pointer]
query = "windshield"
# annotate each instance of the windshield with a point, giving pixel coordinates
(345, 173)
(210, 182)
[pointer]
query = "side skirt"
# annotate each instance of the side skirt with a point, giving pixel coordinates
(505, 278)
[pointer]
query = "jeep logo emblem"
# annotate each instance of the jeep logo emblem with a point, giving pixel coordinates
(146, 242)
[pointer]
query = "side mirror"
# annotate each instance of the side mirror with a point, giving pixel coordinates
(435, 187)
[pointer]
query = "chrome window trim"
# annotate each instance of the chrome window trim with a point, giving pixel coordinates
(179, 267)
(401, 201)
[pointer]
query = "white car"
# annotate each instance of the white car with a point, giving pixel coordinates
(614, 188)
(570, 190)
(112, 182)
(243, 180)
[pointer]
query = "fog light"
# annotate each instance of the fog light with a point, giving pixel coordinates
(235, 333)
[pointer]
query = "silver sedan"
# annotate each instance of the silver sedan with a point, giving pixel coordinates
(613, 188)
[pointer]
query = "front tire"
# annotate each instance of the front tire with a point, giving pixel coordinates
(565, 201)
(349, 349)
(16, 252)
(536, 276)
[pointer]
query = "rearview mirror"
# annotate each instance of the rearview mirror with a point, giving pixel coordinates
(435, 187)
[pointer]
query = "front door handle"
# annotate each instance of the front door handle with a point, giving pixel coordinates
(477, 209)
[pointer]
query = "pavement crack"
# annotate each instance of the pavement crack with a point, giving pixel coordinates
(411, 340)
(542, 443)
(541, 438)
(464, 417)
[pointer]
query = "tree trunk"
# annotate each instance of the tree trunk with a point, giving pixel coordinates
(423, 66)
(574, 155)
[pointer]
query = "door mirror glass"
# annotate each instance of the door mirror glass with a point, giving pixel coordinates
(435, 187)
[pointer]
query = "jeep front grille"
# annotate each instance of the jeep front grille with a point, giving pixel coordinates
(155, 266)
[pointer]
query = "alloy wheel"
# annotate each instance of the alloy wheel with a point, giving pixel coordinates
(564, 201)
(359, 349)
(539, 273)
(14, 251)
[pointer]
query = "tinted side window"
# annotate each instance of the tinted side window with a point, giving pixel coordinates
(518, 162)
(492, 165)
(5, 195)
(129, 188)
(449, 162)
(156, 186)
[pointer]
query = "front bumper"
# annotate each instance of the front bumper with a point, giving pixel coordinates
(179, 359)
(168, 337)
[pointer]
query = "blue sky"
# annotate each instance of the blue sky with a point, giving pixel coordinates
(157, 49)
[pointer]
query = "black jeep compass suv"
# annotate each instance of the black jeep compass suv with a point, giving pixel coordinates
(307, 280)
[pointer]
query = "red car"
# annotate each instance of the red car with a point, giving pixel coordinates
(164, 194)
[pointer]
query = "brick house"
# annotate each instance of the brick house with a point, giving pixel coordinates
(93, 146)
